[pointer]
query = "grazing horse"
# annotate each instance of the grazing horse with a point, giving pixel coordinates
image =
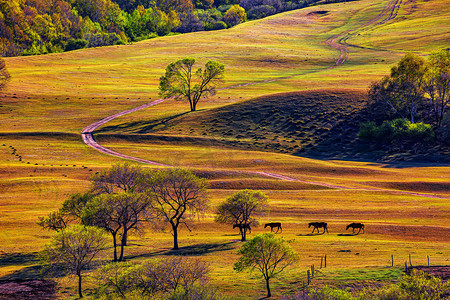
(318, 225)
(242, 226)
(273, 225)
(354, 226)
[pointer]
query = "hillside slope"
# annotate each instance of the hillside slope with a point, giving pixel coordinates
(320, 123)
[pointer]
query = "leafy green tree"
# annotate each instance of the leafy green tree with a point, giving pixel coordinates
(73, 250)
(182, 82)
(69, 213)
(235, 15)
(403, 91)
(55, 220)
(241, 208)
(266, 253)
(438, 84)
(178, 196)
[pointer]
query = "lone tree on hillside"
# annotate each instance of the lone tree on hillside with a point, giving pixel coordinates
(4, 75)
(178, 195)
(182, 82)
(241, 208)
(267, 254)
(73, 249)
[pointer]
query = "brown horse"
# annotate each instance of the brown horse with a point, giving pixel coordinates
(273, 225)
(318, 225)
(242, 226)
(355, 226)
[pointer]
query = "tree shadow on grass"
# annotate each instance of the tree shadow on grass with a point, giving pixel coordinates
(193, 250)
(140, 127)
(14, 259)
(32, 269)
(201, 249)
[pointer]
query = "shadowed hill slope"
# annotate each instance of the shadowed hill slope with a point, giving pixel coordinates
(320, 123)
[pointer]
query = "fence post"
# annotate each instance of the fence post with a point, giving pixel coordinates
(392, 259)
(410, 264)
(428, 259)
(406, 267)
(309, 277)
(312, 271)
(325, 261)
(321, 261)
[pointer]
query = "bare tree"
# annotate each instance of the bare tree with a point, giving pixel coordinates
(178, 196)
(241, 208)
(174, 277)
(118, 213)
(267, 254)
(73, 249)
(120, 178)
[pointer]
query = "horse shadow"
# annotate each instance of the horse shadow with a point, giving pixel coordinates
(348, 234)
(311, 234)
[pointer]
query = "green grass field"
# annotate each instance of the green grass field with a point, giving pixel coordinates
(405, 207)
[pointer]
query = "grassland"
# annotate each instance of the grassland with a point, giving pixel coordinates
(405, 207)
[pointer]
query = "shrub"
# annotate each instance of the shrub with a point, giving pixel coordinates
(261, 11)
(235, 15)
(398, 132)
(75, 44)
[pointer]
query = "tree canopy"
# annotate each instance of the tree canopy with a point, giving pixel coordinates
(241, 208)
(182, 82)
(416, 89)
(177, 196)
(73, 250)
(267, 254)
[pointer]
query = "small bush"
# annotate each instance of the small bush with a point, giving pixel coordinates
(75, 44)
(261, 11)
(399, 132)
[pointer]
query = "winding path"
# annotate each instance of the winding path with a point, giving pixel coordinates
(338, 42)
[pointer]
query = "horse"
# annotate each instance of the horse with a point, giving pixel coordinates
(273, 225)
(354, 226)
(318, 225)
(242, 226)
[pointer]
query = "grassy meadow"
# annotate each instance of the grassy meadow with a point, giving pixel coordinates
(405, 206)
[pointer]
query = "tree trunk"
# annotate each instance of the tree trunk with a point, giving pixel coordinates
(124, 236)
(175, 237)
(243, 235)
(269, 294)
(79, 286)
(115, 245)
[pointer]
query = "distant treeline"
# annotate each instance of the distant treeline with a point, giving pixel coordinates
(29, 27)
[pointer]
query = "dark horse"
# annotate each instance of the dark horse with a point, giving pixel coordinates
(242, 226)
(273, 225)
(318, 225)
(354, 226)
